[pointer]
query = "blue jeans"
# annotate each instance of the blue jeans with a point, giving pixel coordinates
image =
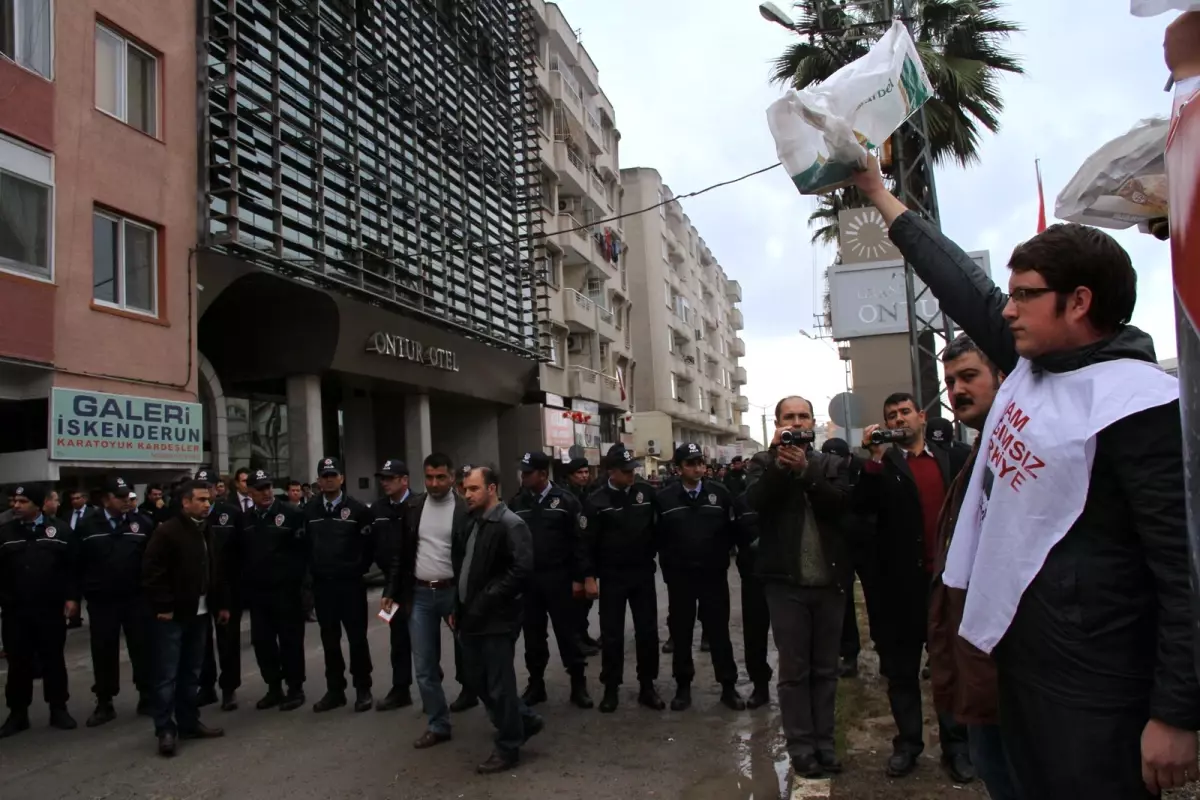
(178, 657)
(430, 607)
(991, 761)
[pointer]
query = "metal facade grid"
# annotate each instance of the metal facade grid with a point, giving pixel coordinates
(385, 148)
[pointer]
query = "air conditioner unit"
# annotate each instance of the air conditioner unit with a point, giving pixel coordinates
(574, 344)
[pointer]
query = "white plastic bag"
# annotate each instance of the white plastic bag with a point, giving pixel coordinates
(823, 131)
(1122, 184)
(1152, 8)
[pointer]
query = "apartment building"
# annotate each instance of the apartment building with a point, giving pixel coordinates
(97, 221)
(584, 292)
(685, 330)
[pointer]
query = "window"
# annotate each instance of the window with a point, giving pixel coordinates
(124, 264)
(26, 34)
(26, 210)
(662, 208)
(554, 350)
(670, 341)
(700, 397)
(667, 292)
(126, 81)
(674, 387)
(665, 256)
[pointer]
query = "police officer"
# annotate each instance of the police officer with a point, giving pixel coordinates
(38, 593)
(696, 530)
(756, 616)
(390, 526)
(619, 522)
(223, 641)
(560, 570)
(269, 551)
(578, 476)
(339, 528)
(110, 549)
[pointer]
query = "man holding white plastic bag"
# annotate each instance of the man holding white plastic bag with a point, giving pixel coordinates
(1072, 540)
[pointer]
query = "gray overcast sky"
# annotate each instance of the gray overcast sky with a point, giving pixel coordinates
(688, 82)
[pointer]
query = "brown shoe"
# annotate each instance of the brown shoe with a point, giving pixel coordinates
(202, 731)
(429, 739)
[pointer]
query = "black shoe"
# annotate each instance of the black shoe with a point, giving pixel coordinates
(166, 744)
(496, 763)
(533, 726)
(683, 697)
(588, 650)
(396, 698)
(430, 739)
(731, 699)
(363, 701)
(104, 713)
(807, 767)
(760, 697)
(202, 731)
(535, 692)
(704, 646)
(229, 700)
(145, 706)
(848, 668)
(829, 761)
(294, 699)
(466, 700)
(61, 719)
(17, 721)
(273, 697)
(330, 701)
(901, 763)
(579, 693)
(206, 697)
(669, 645)
(612, 695)
(648, 697)
(959, 767)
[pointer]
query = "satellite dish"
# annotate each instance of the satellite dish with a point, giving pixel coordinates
(843, 404)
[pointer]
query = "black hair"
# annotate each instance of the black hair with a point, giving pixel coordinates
(439, 461)
(293, 482)
(779, 406)
(239, 473)
(960, 346)
(189, 487)
(897, 398)
(489, 476)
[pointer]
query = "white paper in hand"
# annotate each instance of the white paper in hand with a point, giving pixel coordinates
(386, 616)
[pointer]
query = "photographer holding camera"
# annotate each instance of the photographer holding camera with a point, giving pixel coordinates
(904, 485)
(800, 494)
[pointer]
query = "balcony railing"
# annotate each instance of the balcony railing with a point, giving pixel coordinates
(592, 121)
(574, 158)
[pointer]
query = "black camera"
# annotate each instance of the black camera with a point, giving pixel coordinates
(889, 436)
(796, 437)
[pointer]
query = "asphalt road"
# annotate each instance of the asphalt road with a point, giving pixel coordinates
(706, 753)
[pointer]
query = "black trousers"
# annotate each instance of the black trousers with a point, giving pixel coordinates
(638, 591)
(488, 672)
(400, 645)
(756, 627)
(29, 634)
(868, 577)
(108, 617)
(900, 663)
(277, 633)
(1059, 750)
(707, 590)
(343, 604)
(548, 598)
(223, 647)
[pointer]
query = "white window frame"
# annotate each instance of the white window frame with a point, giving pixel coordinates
(37, 167)
(662, 204)
(120, 265)
(554, 350)
(667, 293)
(122, 80)
(674, 387)
(19, 48)
(666, 256)
(670, 341)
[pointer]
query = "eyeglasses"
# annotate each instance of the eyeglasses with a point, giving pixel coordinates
(1023, 294)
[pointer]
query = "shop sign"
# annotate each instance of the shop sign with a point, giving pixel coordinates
(405, 349)
(560, 430)
(93, 426)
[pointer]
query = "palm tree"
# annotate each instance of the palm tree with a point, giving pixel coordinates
(824, 220)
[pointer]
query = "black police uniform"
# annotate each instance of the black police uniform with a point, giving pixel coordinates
(38, 575)
(559, 559)
(270, 550)
(389, 526)
(756, 616)
(696, 532)
(342, 549)
(620, 525)
(223, 643)
(110, 551)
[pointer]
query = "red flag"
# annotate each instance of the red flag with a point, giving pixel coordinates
(1041, 223)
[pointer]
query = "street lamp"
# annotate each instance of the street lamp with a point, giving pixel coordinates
(773, 13)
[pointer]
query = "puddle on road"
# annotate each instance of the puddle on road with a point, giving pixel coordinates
(760, 769)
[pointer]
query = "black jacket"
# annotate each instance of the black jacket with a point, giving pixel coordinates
(389, 525)
(902, 576)
(746, 519)
(401, 579)
(1107, 620)
(620, 528)
(342, 543)
(558, 545)
(179, 567)
(224, 519)
(37, 565)
(270, 549)
(110, 559)
(781, 497)
(735, 481)
(695, 534)
(501, 565)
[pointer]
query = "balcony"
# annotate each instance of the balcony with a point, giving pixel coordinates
(592, 126)
(674, 250)
(744, 432)
(597, 386)
(742, 403)
(579, 312)
(606, 163)
(739, 376)
(597, 191)
(738, 350)
(735, 319)
(675, 211)
(549, 222)
(575, 245)
(733, 292)
(563, 90)
(571, 170)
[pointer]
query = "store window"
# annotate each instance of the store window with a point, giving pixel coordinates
(258, 435)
